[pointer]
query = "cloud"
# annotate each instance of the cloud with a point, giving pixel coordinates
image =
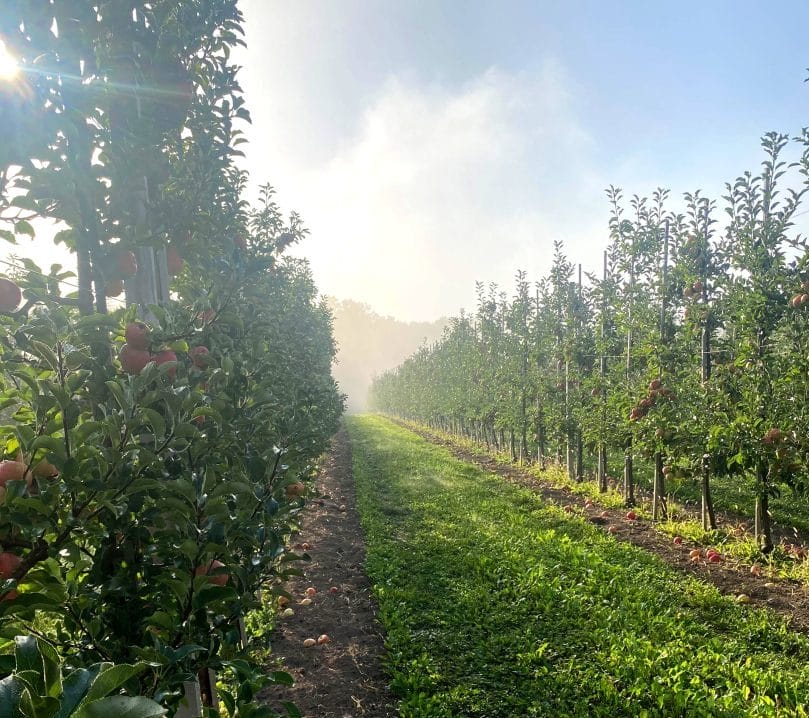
(441, 186)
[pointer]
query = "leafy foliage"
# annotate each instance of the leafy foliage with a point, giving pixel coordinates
(686, 357)
(145, 499)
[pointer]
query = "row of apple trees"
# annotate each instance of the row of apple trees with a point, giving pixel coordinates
(153, 449)
(685, 357)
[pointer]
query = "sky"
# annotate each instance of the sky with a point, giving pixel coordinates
(432, 143)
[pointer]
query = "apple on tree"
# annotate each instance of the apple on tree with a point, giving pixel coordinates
(133, 360)
(8, 564)
(212, 572)
(137, 335)
(10, 296)
(199, 356)
(174, 262)
(164, 357)
(114, 288)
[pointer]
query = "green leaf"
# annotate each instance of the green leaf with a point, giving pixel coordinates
(155, 421)
(179, 346)
(65, 235)
(74, 689)
(7, 236)
(84, 431)
(121, 707)
(50, 443)
(27, 655)
(24, 227)
(112, 679)
(10, 693)
(118, 393)
(210, 593)
(282, 678)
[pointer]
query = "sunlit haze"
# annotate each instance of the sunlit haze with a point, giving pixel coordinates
(431, 144)
(8, 66)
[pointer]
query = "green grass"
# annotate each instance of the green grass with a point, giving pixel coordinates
(730, 494)
(496, 604)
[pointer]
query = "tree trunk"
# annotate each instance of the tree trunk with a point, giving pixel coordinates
(708, 515)
(763, 523)
(659, 510)
(602, 468)
(629, 477)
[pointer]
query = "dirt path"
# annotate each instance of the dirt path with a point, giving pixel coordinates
(789, 598)
(344, 677)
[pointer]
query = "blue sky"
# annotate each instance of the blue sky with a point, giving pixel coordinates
(432, 143)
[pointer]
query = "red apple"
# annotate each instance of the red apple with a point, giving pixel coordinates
(137, 335)
(294, 490)
(714, 558)
(133, 360)
(655, 384)
(678, 540)
(12, 471)
(631, 516)
(323, 638)
(612, 529)
(174, 262)
(206, 316)
(218, 579)
(334, 589)
(8, 564)
(44, 469)
(199, 356)
(167, 356)
(114, 288)
(10, 295)
(311, 591)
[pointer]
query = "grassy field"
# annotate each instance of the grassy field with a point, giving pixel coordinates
(498, 605)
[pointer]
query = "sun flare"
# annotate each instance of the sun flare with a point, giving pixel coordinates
(8, 65)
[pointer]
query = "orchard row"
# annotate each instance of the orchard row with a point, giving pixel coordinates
(687, 358)
(153, 456)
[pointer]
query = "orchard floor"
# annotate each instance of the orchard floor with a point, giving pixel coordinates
(788, 598)
(344, 677)
(348, 677)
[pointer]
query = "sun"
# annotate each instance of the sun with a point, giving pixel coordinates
(8, 65)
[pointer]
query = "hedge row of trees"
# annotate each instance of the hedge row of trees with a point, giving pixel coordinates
(153, 455)
(687, 354)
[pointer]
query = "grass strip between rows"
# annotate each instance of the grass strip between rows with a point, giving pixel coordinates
(496, 604)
